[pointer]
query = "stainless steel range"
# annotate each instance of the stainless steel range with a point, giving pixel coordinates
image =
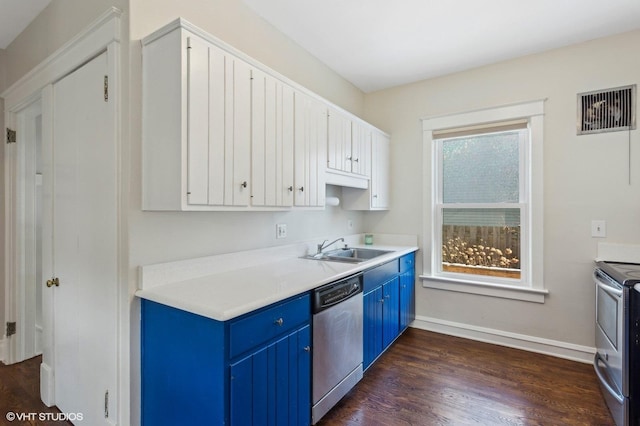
(617, 359)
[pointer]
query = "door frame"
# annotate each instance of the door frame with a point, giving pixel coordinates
(104, 34)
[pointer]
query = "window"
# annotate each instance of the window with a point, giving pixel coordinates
(485, 212)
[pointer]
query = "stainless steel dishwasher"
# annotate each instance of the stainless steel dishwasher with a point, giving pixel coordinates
(337, 342)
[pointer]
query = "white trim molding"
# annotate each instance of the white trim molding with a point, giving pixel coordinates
(530, 287)
(3, 349)
(524, 342)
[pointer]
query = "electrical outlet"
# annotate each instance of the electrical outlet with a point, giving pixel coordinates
(281, 230)
(598, 228)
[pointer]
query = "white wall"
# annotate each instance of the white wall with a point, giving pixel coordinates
(585, 178)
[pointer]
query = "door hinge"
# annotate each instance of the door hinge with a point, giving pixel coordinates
(11, 136)
(106, 404)
(106, 88)
(11, 328)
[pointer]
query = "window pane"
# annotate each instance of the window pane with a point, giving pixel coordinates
(481, 168)
(481, 241)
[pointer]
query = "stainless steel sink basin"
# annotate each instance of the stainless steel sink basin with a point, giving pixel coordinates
(349, 255)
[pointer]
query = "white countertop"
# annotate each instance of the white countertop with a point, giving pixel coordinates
(224, 287)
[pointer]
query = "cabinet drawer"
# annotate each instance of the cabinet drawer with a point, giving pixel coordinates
(262, 326)
(380, 274)
(407, 262)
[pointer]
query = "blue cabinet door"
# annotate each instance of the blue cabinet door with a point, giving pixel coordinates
(372, 326)
(272, 386)
(407, 299)
(391, 312)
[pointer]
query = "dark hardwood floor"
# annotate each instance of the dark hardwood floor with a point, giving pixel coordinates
(423, 379)
(432, 379)
(20, 395)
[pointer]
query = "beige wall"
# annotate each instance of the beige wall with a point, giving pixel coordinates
(59, 22)
(585, 178)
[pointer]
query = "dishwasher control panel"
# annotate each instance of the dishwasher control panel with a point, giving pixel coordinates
(334, 293)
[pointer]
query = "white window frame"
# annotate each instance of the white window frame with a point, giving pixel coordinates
(530, 286)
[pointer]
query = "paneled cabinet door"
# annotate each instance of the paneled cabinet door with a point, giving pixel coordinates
(391, 311)
(372, 325)
(272, 385)
(339, 141)
(218, 126)
(407, 299)
(361, 149)
(380, 148)
(310, 151)
(272, 131)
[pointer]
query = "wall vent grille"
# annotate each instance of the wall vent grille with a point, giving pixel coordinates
(609, 110)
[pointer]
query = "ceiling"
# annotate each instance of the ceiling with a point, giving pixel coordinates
(15, 15)
(376, 44)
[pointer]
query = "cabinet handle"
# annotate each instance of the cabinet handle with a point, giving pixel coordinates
(307, 348)
(290, 189)
(279, 322)
(301, 189)
(244, 184)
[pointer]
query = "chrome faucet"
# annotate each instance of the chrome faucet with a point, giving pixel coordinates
(323, 246)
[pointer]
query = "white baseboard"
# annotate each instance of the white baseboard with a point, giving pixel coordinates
(46, 385)
(3, 349)
(504, 338)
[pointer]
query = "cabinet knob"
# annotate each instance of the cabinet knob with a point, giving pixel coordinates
(301, 189)
(348, 158)
(244, 184)
(53, 282)
(290, 189)
(307, 348)
(375, 196)
(381, 300)
(279, 322)
(356, 159)
(388, 296)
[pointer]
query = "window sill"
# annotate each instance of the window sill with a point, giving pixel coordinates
(526, 294)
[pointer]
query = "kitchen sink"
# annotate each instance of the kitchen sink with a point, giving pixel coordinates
(349, 255)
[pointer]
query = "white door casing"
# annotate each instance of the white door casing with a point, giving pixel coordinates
(103, 177)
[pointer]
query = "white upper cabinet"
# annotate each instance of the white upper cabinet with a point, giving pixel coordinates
(349, 145)
(272, 136)
(310, 151)
(196, 124)
(221, 131)
(218, 126)
(376, 196)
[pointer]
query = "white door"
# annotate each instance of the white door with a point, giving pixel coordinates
(84, 245)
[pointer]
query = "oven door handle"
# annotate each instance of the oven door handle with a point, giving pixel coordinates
(617, 395)
(606, 287)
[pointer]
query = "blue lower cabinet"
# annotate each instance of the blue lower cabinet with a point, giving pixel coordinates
(407, 299)
(372, 326)
(253, 370)
(389, 305)
(390, 312)
(271, 386)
